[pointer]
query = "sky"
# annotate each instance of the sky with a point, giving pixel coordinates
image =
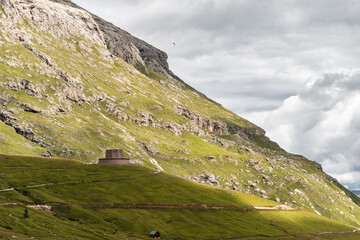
(292, 67)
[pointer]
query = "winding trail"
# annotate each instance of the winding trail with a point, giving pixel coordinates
(7, 190)
(159, 206)
(277, 207)
(153, 161)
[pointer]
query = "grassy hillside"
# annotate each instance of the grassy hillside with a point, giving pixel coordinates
(113, 202)
(63, 94)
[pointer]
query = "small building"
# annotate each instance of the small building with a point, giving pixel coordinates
(155, 234)
(115, 157)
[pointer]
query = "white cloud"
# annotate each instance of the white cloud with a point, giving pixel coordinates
(323, 123)
(349, 178)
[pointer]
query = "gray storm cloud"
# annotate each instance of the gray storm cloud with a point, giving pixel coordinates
(257, 58)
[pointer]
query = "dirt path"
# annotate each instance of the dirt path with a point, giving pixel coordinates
(160, 206)
(165, 206)
(7, 190)
(156, 164)
(278, 207)
(189, 206)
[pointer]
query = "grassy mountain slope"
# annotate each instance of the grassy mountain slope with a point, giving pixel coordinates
(105, 202)
(63, 94)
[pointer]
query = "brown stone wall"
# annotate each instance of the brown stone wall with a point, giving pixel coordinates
(115, 162)
(114, 153)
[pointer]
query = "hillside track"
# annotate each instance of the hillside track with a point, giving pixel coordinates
(189, 206)
(161, 206)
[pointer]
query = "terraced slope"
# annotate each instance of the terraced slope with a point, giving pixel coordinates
(64, 94)
(69, 200)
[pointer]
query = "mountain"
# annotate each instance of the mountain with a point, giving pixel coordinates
(73, 85)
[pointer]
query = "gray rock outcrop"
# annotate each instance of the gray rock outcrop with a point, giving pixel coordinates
(217, 127)
(133, 50)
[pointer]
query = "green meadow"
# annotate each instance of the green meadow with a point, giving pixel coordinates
(127, 202)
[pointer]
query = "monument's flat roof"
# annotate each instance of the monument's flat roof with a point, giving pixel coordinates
(114, 159)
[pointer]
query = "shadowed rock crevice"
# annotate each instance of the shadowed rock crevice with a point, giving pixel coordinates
(26, 132)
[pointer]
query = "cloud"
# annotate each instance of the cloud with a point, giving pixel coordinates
(323, 123)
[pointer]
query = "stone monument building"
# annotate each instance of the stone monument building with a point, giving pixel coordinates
(115, 157)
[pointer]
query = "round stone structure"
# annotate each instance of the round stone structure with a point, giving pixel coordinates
(115, 157)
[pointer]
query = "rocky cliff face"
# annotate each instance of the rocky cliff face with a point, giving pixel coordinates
(133, 50)
(65, 90)
(56, 20)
